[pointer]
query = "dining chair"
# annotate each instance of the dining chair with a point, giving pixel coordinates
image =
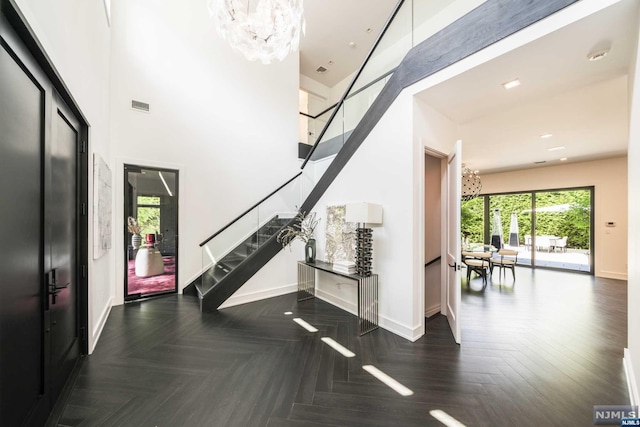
(479, 263)
(506, 259)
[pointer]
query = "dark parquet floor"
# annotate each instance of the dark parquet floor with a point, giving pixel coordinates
(540, 353)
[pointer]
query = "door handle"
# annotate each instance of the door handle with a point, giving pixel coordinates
(53, 287)
(456, 266)
(57, 289)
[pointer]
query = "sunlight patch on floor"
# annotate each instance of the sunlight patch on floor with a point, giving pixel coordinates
(387, 380)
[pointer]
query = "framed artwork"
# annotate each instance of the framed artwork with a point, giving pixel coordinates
(341, 236)
(102, 197)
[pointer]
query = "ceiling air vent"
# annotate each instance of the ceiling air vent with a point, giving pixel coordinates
(321, 70)
(140, 106)
(540, 162)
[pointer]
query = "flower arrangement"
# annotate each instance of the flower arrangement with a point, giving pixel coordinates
(303, 227)
(132, 225)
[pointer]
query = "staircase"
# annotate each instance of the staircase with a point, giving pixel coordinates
(215, 274)
(254, 243)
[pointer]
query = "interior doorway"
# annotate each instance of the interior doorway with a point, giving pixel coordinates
(432, 235)
(151, 235)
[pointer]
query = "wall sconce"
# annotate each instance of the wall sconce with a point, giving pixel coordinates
(363, 214)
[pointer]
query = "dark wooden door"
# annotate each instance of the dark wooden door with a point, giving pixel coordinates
(21, 259)
(61, 239)
(39, 233)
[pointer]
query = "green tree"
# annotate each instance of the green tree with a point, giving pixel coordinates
(472, 219)
(149, 220)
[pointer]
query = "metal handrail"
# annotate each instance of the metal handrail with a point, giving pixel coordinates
(433, 261)
(353, 82)
(368, 85)
(249, 210)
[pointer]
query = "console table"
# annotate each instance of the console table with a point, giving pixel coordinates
(367, 291)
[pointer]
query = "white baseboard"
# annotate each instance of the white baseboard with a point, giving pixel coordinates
(95, 336)
(631, 379)
(435, 309)
(611, 275)
(259, 295)
(409, 333)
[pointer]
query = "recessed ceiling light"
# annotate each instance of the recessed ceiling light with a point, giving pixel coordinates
(546, 135)
(598, 55)
(352, 45)
(511, 84)
(556, 148)
(564, 159)
(330, 62)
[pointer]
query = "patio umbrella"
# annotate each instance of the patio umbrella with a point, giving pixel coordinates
(514, 240)
(496, 230)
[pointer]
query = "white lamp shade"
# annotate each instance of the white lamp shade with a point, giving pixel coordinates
(368, 213)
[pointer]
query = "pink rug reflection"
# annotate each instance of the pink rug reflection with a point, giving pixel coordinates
(150, 285)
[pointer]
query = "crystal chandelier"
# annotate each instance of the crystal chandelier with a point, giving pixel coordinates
(471, 184)
(269, 32)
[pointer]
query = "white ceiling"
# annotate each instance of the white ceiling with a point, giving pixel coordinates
(331, 25)
(583, 104)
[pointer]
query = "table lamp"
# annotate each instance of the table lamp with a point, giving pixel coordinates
(363, 214)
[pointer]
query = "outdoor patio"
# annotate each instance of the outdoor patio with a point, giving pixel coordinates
(572, 259)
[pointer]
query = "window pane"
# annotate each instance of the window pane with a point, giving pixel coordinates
(513, 212)
(472, 220)
(149, 220)
(563, 227)
(149, 200)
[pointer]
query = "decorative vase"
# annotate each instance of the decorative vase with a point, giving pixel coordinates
(136, 240)
(310, 251)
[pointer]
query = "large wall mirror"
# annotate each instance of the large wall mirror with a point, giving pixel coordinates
(151, 231)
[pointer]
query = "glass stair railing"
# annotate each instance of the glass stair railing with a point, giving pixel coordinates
(241, 248)
(412, 22)
(236, 242)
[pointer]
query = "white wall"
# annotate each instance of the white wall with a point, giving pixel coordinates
(610, 180)
(632, 353)
(313, 86)
(229, 125)
(381, 172)
(76, 37)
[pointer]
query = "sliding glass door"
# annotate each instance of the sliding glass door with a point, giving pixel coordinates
(151, 232)
(514, 213)
(548, 228)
